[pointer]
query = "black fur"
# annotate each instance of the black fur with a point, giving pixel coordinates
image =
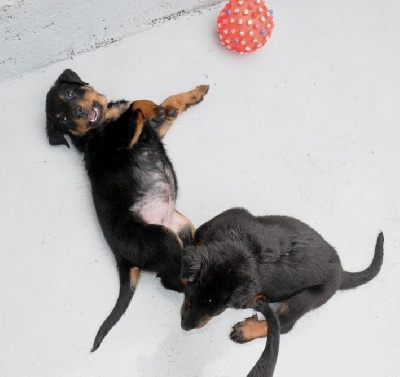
(130, 173)
(265, 365)
(240, 255)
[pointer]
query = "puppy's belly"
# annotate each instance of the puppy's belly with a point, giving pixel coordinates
(162, 213)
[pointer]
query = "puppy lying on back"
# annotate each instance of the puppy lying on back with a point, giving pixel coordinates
(239, 255)
(133, 182)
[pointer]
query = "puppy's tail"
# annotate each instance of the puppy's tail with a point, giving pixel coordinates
(129, 278)
(354, 279)
(265, 365)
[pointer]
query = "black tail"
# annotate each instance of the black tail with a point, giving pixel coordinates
(128, 278)
(354, 279)
(265, 365)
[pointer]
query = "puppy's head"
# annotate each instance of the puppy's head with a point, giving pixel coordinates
(72, 107)
(216, 277)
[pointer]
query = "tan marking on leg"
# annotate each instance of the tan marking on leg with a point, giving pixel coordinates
(283, 309)
(251, 303)
(181, 221)
(181, 102)
(249, 329)
(138, 129)
(134, 274)
(147, 108)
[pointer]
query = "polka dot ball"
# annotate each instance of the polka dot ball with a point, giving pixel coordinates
(244, 26)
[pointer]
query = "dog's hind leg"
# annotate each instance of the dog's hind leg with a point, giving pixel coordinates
(184, 228)
(298, 305)
(129, 277)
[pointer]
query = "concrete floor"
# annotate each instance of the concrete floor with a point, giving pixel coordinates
(307, 127)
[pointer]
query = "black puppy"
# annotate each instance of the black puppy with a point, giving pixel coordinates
(133, 182)
(239, 255)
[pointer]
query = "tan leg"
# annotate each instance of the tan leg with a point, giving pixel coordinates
(177, 104)
(249, 329)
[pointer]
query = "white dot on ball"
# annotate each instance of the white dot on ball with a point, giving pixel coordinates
(246, 11)
(255, 40)
(243, 43)
(262, 18)
(240, 21)
(251, 33)
(268, 25)
(247, 48)
(236, 10)
(232, 20)
(249, 22)
(241, 33)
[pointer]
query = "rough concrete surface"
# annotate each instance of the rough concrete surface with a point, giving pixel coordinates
(35, 33)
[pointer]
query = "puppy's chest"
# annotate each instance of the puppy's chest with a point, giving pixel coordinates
(156, 191)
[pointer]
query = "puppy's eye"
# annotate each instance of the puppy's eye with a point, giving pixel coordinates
(70, 94)
(63, 120)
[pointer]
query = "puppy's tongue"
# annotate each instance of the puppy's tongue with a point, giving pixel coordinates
(93, 115)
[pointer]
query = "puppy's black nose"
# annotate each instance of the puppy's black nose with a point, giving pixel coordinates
(185, 326)
(78, 111)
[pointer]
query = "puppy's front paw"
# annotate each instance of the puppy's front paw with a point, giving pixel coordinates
(158, 117)
(249, 329)
(171, 112)
(199, 93)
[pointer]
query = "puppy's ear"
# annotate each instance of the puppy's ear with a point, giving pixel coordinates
(69, 76)
(193, 262)
(55, 135)
(243, 293)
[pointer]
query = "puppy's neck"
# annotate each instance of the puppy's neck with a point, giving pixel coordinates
(116, 109)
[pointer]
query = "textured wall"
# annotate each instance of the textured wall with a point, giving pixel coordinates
(34, 33)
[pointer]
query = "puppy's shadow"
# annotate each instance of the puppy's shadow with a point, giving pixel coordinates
(192, 353)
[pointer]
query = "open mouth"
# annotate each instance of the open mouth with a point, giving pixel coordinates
(94, 115)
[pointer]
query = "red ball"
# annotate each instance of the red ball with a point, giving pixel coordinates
(244, 26)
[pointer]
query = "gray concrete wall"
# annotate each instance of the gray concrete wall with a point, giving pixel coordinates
(36, 33)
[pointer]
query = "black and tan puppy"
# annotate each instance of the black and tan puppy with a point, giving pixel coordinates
(239, 255)
(133, 182)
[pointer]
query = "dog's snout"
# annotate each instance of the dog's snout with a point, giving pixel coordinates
(185, 326)
(78, 111)
(184, 315)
